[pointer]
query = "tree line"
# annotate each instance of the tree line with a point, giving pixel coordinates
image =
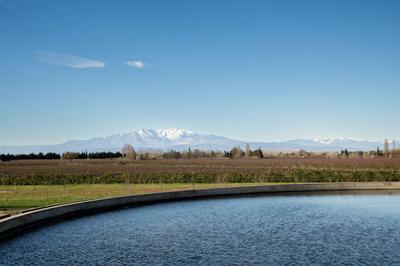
(30, 156)
(56, 156)
(91, 155)
(129, 152)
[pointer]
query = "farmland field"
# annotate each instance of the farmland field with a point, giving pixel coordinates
(46, 172)
(36, 183)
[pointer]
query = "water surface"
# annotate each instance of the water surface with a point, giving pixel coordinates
(316, 229)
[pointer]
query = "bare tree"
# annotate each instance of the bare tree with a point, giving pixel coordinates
(386, 147)
(248, 151)
(128, 152)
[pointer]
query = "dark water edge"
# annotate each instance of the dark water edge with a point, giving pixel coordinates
(332, 228)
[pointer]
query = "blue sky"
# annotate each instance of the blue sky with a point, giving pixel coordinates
(252, 70)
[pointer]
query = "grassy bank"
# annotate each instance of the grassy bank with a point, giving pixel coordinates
(25, 197)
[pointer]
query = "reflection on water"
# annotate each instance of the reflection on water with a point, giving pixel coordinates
(313, 229)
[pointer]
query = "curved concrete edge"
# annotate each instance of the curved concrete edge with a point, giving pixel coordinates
(16, 224)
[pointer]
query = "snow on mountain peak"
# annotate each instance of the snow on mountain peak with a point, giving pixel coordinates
(168, 134)
(143, 132)
(173, 133)
(328, 141)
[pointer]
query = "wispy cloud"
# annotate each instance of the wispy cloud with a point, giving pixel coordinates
(137, 64)
(67, 60)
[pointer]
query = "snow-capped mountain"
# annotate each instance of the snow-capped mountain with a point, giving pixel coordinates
(141, 139)
(179, 139)
(324, 144)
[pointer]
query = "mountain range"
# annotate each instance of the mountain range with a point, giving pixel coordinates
(179, 139)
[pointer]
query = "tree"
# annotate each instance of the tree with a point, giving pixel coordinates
(172, 155)
(236, 152)
(257, 153)
(70, 155)
(386, 148)
(128, 152)
(248, 151)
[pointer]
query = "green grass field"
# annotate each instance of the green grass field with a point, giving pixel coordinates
(17, 198)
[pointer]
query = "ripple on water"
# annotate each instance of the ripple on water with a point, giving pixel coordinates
(330, 229)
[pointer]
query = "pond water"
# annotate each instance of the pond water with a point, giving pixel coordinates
(275, 230)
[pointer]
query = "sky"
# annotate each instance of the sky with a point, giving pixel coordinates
(249, 70)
